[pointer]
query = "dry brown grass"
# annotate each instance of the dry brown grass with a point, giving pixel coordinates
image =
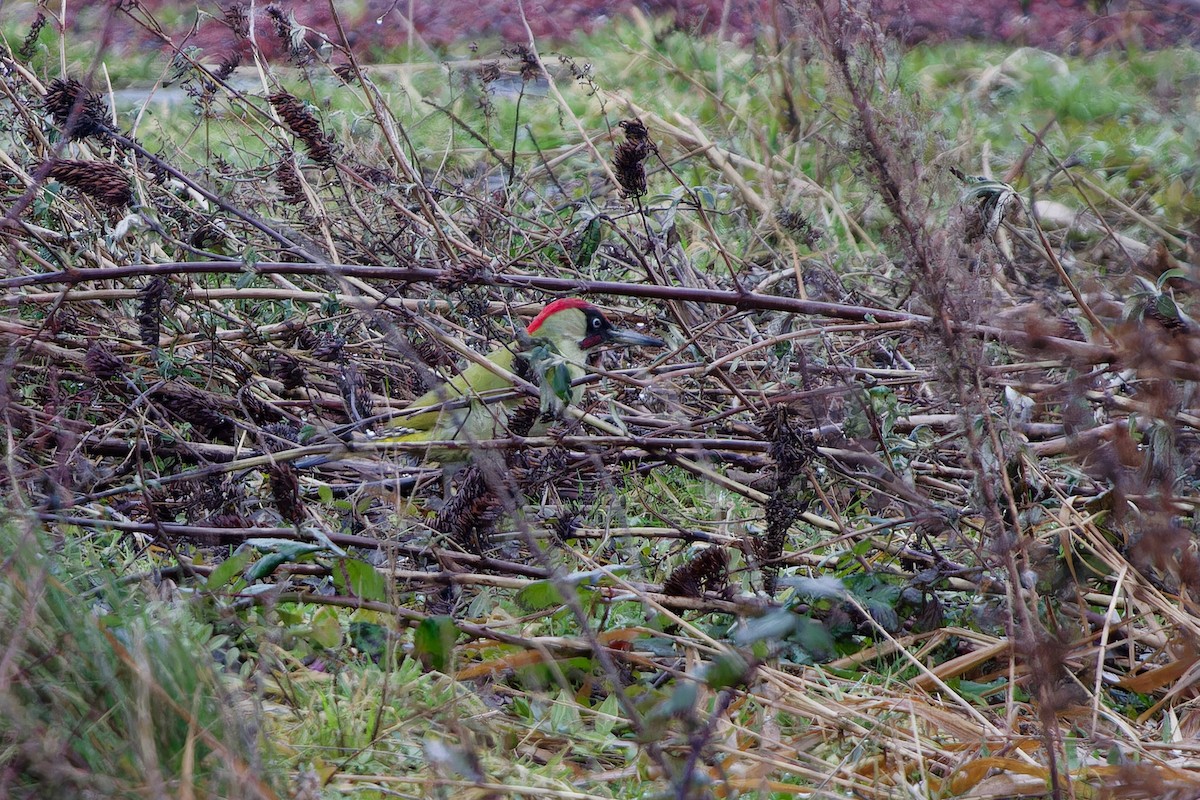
(1003, 437)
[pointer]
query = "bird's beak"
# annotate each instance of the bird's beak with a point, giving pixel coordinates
(633, 338)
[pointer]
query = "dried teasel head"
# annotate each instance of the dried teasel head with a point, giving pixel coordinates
(103, 182)
(627, 164)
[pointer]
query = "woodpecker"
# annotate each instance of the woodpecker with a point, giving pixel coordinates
(476, 403)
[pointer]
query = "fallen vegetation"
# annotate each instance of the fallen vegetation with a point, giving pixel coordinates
(906, 507)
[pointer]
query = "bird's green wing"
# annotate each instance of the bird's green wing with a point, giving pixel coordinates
(474, 382)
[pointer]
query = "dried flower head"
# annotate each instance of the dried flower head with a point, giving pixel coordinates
(530, 66)
(356, 393)
(79, 112)
(707, 571)
(238, 21)
(203, 410)
(285, 368)
(304, 126)
(150, 310)
(328, 347)
(27, 46)
(285, 489)
(631, 173)
(287, 176)
(103, 182)
(800, 224)
(101, 362)
(229, 62)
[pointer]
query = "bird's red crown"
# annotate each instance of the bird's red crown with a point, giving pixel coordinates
(553, 308)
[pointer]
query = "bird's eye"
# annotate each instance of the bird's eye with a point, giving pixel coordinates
(595, 322)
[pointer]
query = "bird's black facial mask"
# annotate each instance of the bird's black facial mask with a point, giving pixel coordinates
(598, 330)
(601, 331)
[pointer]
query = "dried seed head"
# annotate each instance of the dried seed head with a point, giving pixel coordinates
(356, 393)
(522, 418)
(150, 311)
(201, 409)
(101, 362)
(238, 21)
(531, 68)
(631, 173)
(287, 177)
(708, 571)
(79, 112)
(469, 516)
(285, 489)
(565, 527)
(304, 126)
(278, 436)
(285, 368)
(289, 35)
(489, 72)
(229, 62)
(328, 347)
(800, 224)
(27, 46)
(103, 182)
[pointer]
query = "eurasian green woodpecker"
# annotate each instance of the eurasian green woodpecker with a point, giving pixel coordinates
(476, 403)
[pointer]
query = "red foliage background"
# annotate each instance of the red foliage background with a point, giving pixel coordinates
(1061, 25)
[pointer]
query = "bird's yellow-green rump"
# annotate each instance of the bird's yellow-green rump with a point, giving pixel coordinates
(476, 403)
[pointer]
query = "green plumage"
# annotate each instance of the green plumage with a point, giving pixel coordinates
(476, 404)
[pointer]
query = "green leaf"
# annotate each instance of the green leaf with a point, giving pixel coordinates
(606, 715)
(229, 569)
(433, 642)
(354, 577)
(814, 638)
(773, 626)
(589, 242)
(727, 669)
(326, 628)
(564, 714)
(559, 378)
(369, 638)
(538, 596)
(286, 547)
(1176, 272)
(285, 550)
(681, 701)
(266, 565)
